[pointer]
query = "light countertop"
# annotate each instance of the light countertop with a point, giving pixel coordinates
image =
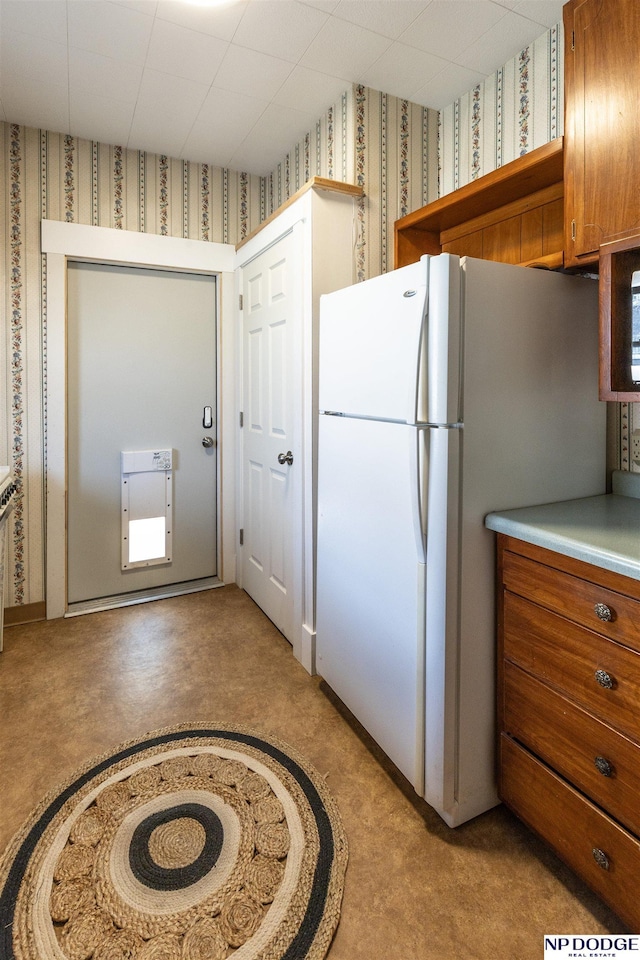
(603, 530)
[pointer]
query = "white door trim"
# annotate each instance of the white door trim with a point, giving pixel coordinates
(108, 245)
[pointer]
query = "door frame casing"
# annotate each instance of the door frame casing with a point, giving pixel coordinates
(62, 240)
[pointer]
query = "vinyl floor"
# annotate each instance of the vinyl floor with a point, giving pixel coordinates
(415, 889)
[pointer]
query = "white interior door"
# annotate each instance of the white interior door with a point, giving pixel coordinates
(271, 467)
(141, 348)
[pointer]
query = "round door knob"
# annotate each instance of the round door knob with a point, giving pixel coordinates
(207, 441)
(285, 457)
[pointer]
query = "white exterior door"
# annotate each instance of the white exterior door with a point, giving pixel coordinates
(271, 465)
(141, 347)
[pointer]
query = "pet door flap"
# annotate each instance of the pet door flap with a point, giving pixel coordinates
(146, 484)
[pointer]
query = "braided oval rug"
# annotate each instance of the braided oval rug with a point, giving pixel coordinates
(198, 842)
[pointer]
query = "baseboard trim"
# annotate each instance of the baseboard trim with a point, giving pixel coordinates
(28, 613)
(305, 651)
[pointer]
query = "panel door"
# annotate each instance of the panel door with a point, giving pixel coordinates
(141, 369)
(271, 466)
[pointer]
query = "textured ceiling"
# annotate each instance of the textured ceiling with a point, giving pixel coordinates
(239, 85)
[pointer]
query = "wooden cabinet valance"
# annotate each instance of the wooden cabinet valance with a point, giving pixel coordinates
(514, 214)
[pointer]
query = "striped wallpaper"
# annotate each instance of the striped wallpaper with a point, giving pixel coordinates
(388, 146)
(402, 154)
(517, 109)
(58, 177)
(86, 182)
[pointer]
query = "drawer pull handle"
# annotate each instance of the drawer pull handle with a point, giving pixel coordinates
(604, 679)
(600, 858)
(603, 612)
(603, 766)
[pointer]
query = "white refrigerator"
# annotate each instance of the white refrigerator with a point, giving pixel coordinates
(447, 389)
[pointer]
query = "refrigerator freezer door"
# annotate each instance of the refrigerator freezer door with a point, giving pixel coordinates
(370, 581)
(370, 337)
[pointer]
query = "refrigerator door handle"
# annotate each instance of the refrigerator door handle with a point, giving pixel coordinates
(418, 388)
(420, 393)
(419, 489)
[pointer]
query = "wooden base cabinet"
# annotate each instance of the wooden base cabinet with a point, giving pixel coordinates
(569, 714)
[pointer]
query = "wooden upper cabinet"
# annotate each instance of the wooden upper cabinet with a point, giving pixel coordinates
(513, 214)
(602, 124)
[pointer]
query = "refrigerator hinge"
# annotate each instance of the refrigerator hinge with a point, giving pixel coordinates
(241, 537)
(240, 307)
(241, 418)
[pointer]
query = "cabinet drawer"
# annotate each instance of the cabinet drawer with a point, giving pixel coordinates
(589, 753)
(575, 828)
(567, 656)
(574, 598)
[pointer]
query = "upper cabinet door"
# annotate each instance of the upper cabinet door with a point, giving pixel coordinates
(602, 113)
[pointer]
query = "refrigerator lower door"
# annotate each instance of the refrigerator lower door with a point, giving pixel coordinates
(371, 581)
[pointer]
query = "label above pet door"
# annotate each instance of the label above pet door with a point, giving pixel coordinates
(146, 485)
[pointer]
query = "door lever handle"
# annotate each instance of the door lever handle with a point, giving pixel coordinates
(285, 457)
